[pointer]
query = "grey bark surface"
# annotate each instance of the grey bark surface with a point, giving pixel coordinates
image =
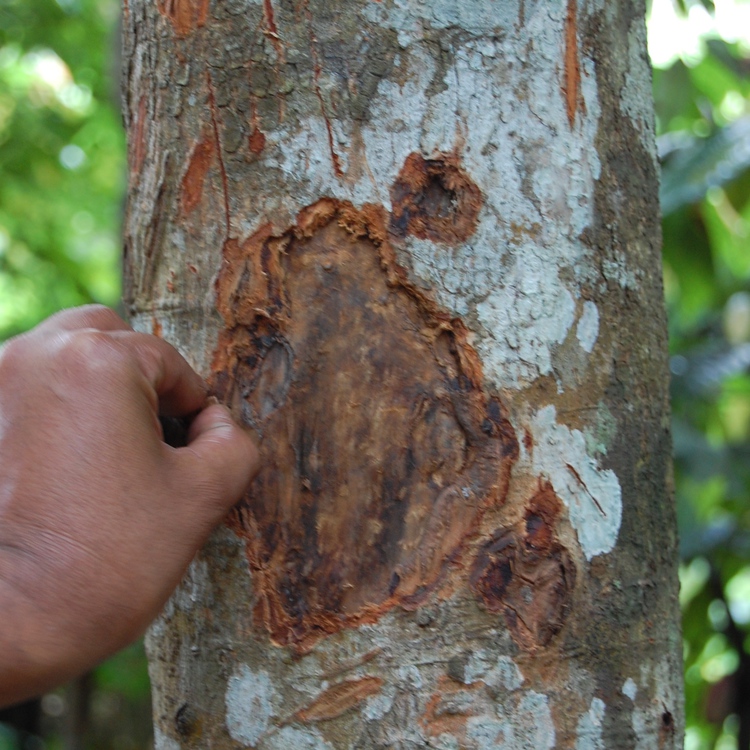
(305, 173)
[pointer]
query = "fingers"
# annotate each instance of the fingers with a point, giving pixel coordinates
(180, 389)
(98, 317)
(220, 460)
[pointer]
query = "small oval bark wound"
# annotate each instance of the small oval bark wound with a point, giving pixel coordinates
(191, 188)
(340, 698)
(527, 575)
(435, 199)
(257, 141)
(380, 447)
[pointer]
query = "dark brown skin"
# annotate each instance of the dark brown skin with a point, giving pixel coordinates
(99, 517)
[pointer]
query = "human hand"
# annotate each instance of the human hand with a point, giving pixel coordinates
(99, 517)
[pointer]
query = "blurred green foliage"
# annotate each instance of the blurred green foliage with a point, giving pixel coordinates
(61, 158)
(703, 121)
(61, 184)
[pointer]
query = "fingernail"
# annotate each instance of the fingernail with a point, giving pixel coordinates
(223, 417)
(212, 401)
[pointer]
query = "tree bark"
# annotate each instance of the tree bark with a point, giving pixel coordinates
(415, 247)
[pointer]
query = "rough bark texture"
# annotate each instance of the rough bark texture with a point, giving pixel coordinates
(415, 247)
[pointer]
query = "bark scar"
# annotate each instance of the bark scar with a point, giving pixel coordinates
(272, 31)
(382, 448)
(435, 199)
(139, 139)
(186, 15)
(191, 189)
(527, 575)
(339, 699)
(572, 80)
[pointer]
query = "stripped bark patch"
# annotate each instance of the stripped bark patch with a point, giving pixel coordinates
(340, 698)
(185, 15)
(572, 69)
(271, 29)
(450, 707)
(257, 141)
(270, 20)
(138, 140)
(191, 189)
(381, 447)
(435, 199)
(527, 575)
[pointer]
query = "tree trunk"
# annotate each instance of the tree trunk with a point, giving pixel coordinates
(415, 247)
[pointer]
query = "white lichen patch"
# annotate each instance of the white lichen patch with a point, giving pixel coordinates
(592, 495)
(590, 725)
(289, 738)
(587, 330)
(410, 677)
(447, 742)
(477, 16)
(518, 277)
(601, 433)
(630, 689)
(497, 672)
(377, 706)
(526, 723)
(616, 269)
(195, 588)
(488, 734)
(163, 741)
(526, 320)
(534, 726)
(249, 702)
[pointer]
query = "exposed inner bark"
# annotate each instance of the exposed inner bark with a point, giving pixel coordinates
(339, 699)
(185, 15)
(572, 79)
(527, 574)
(381, 448)
(435, 199)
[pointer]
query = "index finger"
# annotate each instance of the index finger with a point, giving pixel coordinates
(98, 317)
(180, 389)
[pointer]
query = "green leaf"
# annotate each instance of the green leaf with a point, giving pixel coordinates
(701, 163)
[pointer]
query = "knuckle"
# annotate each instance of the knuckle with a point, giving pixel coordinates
(148, 357)
(73, 356)
(89, 352)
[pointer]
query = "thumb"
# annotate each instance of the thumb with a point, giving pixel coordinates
(220, 458)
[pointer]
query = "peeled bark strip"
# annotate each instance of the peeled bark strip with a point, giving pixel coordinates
(415, 247)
